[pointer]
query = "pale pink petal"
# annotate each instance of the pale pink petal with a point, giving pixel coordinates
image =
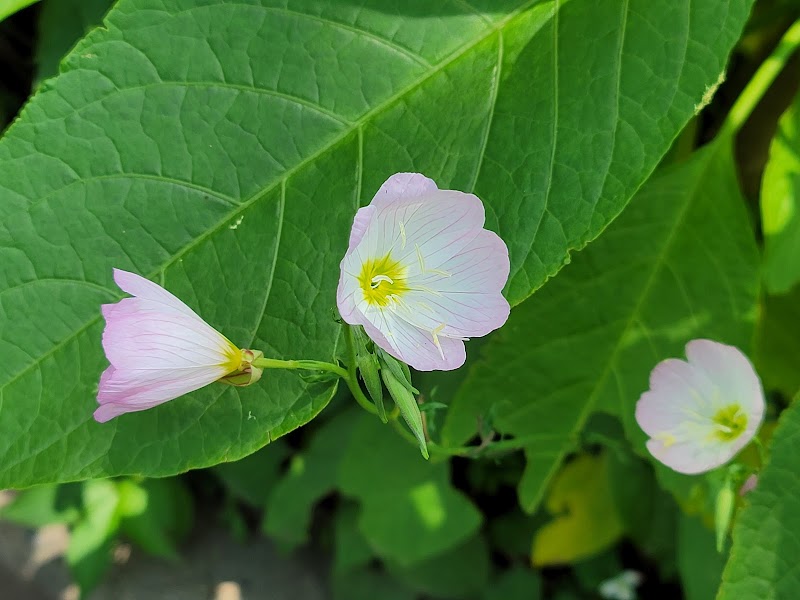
(688, 457)
(134, 390)
(138, 286)
(139, 335)
(465, 294)
(413, 345)
(360, 223)
(403, 186)
(437, 226)
(732, 372)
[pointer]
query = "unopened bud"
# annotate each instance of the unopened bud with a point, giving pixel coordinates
(246, 374)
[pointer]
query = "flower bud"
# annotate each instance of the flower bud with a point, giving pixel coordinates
(246, 374)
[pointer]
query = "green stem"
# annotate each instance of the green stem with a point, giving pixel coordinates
(309, 365)
(315, 365)
(761, 81)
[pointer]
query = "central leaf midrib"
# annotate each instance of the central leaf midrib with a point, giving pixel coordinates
(264, 192)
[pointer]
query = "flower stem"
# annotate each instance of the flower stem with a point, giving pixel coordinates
(309, 365)
(763, 78)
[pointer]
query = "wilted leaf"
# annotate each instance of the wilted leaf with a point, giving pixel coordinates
(586, 520)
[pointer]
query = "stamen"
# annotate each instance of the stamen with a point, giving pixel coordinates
(421, 260)
(376, 281)
(435, 334)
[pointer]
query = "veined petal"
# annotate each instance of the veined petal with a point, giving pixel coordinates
(414, 346)
(360, 223)
(689, 457)
(437, 226)
(139, 287)
(140, 335)
(122, 391)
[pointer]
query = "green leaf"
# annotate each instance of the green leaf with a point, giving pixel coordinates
(409, 510)
(590, 338)
(368, 584)
(766, 544)
(311, 475)
(252, 478)
(61, 24)
(222, 148)
(44, 504)
(352, 550)
(517, 583)
(91, 539)
(9, 7)
(155, 514)
(585, 518)
(780, 205)
(777, 347)
(699, 563)
(462, 572)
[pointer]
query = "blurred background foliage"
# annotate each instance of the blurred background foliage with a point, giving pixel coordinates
(397, 527)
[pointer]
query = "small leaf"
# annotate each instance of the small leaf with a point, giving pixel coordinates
(44, 505)
(723, 512)
(351, 549)
(777, 344)
(91, 539)
(586, 520)
(517, 583)
(408, 408)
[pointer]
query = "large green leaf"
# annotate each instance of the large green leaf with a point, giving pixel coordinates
(680, 263)
(410, 513)
(777, 347)
(780, 205)
(222, 148)
(766, 543)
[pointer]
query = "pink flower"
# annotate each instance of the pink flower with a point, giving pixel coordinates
(421, 274)
(159, 349)
(699, 413)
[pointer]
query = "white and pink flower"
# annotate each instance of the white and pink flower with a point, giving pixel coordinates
(159, 349)
(701, 412)
(421, 274)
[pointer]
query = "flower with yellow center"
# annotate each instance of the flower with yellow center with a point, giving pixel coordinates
(700, 412)
(160, 349)
(421, 274)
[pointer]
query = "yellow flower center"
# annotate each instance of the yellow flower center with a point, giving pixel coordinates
(730, 422)
(382, 280)
(234, 358)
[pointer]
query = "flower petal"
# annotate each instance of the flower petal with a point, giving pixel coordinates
(138, 286)
(690, 458)
(123, 391)
(403, 186)
(436, 227)
(413, 345)
(140, 334)
(465, 295)
(732, 373)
